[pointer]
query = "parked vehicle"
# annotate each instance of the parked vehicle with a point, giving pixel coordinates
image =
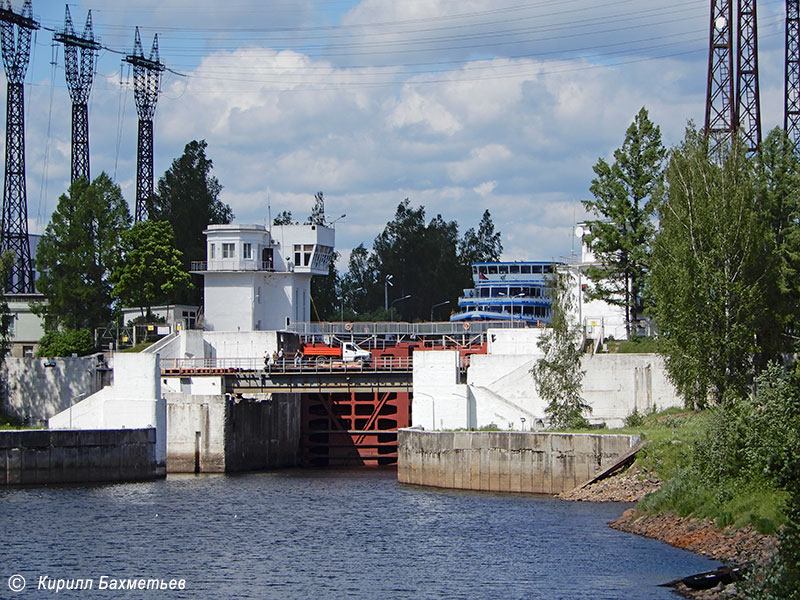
(347, 352)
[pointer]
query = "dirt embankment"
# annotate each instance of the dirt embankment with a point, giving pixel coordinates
(701, 536)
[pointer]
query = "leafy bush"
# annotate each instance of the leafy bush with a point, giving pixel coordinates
(635, 419)
(740, 467)
(66, 342)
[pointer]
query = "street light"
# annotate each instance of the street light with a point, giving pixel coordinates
(510, 297)
(332, 223)
(436, 306)
(387, 283)
(391, 313)
(520, 295)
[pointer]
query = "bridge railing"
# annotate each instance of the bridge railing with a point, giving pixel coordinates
(212, 366)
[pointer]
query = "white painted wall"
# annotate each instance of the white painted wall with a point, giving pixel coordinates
(513, 341)
(134, 401)
(440, 402)
(228, 299)
(203, 386)
(500, 390)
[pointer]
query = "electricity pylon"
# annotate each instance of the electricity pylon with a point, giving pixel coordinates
(146, 82)
(79, 80)
(16, 32)
(791, 110)
(732, 111)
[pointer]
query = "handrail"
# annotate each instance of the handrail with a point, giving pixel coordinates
(213, 366)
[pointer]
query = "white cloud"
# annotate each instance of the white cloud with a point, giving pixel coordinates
(505, 109)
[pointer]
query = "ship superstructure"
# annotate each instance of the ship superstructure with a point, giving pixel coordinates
(507, 291)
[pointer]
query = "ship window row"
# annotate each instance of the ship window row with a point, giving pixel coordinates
(510, 292)
(538, 312)
(511, 269)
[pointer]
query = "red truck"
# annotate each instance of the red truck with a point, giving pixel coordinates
(347, 352)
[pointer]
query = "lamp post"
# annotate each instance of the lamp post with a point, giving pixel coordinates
(333, 223)
(520, 295)
(396, 300)
(438, 305)
(387, 283)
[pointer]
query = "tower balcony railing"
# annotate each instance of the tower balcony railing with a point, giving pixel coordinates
(230, 264)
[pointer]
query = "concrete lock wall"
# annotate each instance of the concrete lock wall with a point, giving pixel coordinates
(133, 402)
(220, 433)
(505, 461)
(38, 388)
(50, 456)
(500, 390)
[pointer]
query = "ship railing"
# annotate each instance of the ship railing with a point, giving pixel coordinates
(384, 328)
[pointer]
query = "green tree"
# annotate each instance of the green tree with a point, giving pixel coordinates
(483, 246)
(151, 272)
(66, 342)
(317, 216)
(325, 291)
(6, 262)
(76, 254)
(558, 375)
(187, 197)
(710, 264)
(778, 179)
(284, 218)
(360, 291)
(620, 239)
(422, 260)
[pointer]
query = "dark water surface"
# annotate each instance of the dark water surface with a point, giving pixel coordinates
(323, 534)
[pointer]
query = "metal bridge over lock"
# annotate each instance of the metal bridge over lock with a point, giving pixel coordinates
(350, 411)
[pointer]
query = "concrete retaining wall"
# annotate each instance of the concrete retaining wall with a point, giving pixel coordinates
(505, 461)
(38, 388)
(219, 433)
(500, 390)
(50, 456)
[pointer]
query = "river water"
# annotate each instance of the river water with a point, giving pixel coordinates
(323, 534)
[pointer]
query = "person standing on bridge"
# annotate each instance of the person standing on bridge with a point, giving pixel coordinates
(298, 356)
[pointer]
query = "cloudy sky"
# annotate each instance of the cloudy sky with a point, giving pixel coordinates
(458, 105)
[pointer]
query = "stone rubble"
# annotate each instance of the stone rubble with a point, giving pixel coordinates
(630, 485)
(701, 536)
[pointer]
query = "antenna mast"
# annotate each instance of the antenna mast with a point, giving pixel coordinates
(146, 82)
(79, 81)
(16, 32)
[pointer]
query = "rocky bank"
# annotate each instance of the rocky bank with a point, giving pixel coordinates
(701, 536)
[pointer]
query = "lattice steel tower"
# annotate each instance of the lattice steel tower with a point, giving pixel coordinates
(719, 95)
(146, 82)
(730, 111)
(791, 110)
(79, 80)
(16, 46)
(748, 105)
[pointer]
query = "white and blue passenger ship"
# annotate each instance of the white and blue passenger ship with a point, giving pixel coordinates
(507, 291)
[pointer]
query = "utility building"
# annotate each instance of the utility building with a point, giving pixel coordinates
(259, 279)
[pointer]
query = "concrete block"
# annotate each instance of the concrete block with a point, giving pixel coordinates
(35, 439)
